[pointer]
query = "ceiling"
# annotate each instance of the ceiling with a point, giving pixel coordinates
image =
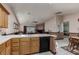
(28, 13)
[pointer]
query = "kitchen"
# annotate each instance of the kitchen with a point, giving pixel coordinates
(27, 40)
(39, 29)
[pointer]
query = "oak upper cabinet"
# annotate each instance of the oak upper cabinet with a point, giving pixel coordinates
(3, 17)
(25, 46)
(5, 20)
(52, 45)
(35, 44)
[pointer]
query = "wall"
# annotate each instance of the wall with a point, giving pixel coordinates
(51, 25)
(73, 22)
(11, 20)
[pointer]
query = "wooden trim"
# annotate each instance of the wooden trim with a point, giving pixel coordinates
(4, 9)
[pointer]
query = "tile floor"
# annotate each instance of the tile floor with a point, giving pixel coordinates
(60, 51)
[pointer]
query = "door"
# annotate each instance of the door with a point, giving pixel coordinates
(66, 28)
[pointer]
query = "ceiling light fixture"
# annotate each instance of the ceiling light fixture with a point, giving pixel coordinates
(58, 13)
(35, 22)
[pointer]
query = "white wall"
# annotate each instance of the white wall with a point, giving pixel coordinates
(11, 20)
(73, 22)
(51, 25)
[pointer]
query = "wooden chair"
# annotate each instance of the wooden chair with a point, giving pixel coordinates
(73, 43)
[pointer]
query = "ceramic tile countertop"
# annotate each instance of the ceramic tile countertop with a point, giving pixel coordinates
(5, 38)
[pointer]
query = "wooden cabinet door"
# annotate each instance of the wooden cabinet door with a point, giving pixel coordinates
(8, 50)
(2, 48)
(8, 47)
(15, 50)
(24, 46)
(1, 18)
(3, 52)
(35, 45)
(5, 20)
(52, 45)
(24, 50)
(15, 46)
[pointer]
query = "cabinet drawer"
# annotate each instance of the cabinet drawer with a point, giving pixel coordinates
(15, 49)
(15, 44)
(24, 39)
(15, 40)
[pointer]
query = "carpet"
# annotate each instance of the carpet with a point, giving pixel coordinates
(76, 52)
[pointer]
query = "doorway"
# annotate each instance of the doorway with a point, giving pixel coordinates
(66, 28)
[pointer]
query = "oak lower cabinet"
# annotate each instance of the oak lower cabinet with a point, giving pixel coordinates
(2, 49)
(35, 44)
(29, 45)
(5, 48)
(8, 47)
(25, 46)
(15, 46)
(3, 52)
(53, 45)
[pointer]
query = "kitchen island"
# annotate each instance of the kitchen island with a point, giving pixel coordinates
(27, 44)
